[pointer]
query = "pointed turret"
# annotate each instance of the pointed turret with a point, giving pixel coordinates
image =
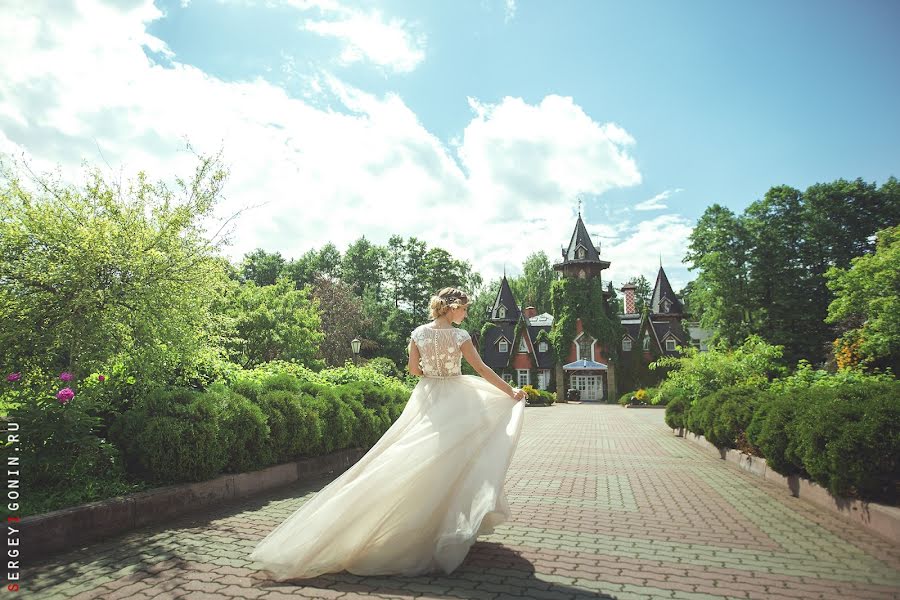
(581, 258)
(504, 307)
(664, 300)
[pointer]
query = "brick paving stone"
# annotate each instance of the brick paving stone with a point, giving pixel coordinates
(606, 503)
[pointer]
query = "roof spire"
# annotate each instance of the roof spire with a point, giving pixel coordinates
(579, 206)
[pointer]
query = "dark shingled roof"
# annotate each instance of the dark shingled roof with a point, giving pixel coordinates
(663, 290)
(490, 355)
(505, 297)
(664, 328)
(545, 360)
(580, 237)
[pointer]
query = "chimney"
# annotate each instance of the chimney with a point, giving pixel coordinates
(629, 298)
(530, 312)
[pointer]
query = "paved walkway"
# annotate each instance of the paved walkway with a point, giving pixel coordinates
(607, 504)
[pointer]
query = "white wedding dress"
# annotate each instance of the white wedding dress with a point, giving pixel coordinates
(416, 502)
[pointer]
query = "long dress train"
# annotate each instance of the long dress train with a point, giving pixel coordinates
(419, 498)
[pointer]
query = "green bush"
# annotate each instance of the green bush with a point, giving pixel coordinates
(243, 430)
(63, 462)
(539, 397)
(677, 404)
(699, 417)
(172, 435)
(384, 365)
(731, 410)
(625, 399)
(772, 431)
(295, 427)
(336, 417)
(848, 438)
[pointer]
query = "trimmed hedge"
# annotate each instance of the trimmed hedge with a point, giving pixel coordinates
(183, 435)
(841, 431)
(846, 438)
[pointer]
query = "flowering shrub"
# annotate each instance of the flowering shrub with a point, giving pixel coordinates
(64, 461)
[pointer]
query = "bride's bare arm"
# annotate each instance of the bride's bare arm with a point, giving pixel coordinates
(471, 355)
(413, 363)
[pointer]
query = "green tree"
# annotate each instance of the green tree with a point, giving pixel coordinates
(272, 322)
(867, 297)
(261, 267)
(363, 267)
(303, 270)
(342, 317)
(719, 249)
(394, 268)
(329, 262)
(104, 272)
(533, 287)
(785, 312)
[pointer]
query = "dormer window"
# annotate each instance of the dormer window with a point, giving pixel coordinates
(670, 345)
(542, 347)
(580, 253)
(585, 347)
(666, 305)
(503, 346)
(523, 347)
(626, 344)
(501, 312)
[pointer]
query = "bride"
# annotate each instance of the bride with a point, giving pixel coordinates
(419, 498)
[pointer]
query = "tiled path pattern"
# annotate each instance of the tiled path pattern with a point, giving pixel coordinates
(607, 503)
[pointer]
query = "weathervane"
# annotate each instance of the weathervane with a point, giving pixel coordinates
(579, 205)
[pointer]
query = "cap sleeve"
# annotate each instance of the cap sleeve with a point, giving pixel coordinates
(462, 335)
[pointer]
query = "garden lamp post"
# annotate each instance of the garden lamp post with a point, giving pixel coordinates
(354, 345)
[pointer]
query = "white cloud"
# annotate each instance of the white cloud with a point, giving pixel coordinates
(656, 202)
(366, 36)
(81, 84)
(639, 248)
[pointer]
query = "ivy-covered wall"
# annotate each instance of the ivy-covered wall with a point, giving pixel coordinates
(573, 298)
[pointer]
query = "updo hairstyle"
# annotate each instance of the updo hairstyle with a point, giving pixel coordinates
(444, 300)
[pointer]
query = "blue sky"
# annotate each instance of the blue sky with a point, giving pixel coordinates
(472, 125)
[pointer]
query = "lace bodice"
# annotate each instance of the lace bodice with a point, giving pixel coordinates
(439, 349)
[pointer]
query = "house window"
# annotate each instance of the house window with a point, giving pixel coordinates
(646, 343)
(584, 347)
(580, 253)
(523, 346)
(542, 347)
(503, 346)
(501, 312)
(507, 378)
(542, 381)
(581, 274)
(666, 305)
(670, 345)
(523, 376)
(626, 344)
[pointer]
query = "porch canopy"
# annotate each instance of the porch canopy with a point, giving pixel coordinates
(584, 365)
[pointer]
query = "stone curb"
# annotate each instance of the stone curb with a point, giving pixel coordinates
(80, 525)
(880, 519)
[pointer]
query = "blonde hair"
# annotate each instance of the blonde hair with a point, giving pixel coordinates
(444, 300)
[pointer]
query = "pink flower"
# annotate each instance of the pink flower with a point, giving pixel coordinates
(14, 377)
(64, 395)
(101, 377)
(65, 376)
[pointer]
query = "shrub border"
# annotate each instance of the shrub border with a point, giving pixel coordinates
(72, 527)
(880, 519)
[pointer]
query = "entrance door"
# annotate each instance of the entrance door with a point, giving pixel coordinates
(588, 385)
